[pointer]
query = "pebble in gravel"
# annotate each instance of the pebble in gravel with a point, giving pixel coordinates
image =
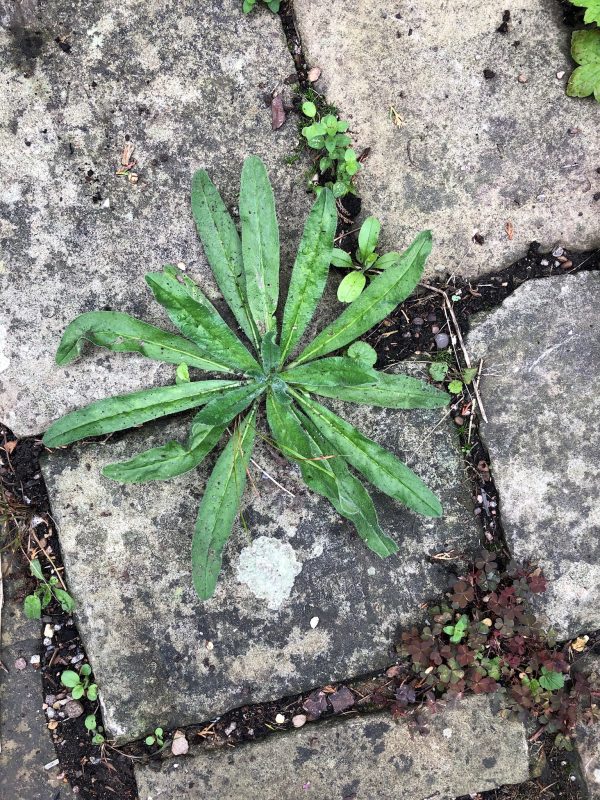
(299, 720)
(442, 340)
(73, 709)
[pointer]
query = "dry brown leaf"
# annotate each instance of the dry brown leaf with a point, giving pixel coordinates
(10, 446)
(128, 149)
(509, 230)
(579, 644)
(277, 112)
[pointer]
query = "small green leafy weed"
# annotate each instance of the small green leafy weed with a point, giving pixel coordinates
(80, 683)
(44, 592)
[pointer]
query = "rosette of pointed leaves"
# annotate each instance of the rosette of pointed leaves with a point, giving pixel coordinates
(246, 269)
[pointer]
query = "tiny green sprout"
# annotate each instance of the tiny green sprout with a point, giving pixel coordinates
(457, 631)
(469, 374)
(80, 684)
(93, 727)
(272, 5)
(369, 262)
(44, 592)
(158, 738)
(455, 387)
(438, 370)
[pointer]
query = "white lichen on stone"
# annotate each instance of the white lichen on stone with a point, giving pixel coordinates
(269, 568)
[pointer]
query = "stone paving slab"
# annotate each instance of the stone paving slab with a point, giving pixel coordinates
(540, 389)
(162, 657)
(588, 738)
(189, 84)
(468, 749)
(468, 153)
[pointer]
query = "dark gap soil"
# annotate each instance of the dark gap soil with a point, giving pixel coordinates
(105, 773)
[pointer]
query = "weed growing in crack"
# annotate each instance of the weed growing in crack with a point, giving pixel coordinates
(310, 435)
(44, 592)
(369, 262)
(80, 683)
(338, 162)
(486, 639)
(273, 5)
(156, 738)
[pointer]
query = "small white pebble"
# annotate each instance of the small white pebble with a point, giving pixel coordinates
(314, 622)
(447, 732)
(35, 661)
(572, 778)
(299, 720)
(51, 764)
(522, 78)
(48, 631)
(230, 728)
(597, 775)
(182, 266)
(210, 646)
(106, 203)
(280, 719)
(560, 74)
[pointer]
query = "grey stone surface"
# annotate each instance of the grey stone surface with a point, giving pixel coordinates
(540, 388)
(468, 749)
(587, 737)
(468, 154)
(25, 744)
(189, 84)
(162, 657)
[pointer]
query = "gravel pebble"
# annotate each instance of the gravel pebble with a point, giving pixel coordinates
(442, 340)
(299, 720)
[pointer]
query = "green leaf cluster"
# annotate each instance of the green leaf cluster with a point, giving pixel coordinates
(44, 592)
(273, 5)
(585, 50)
(328, 134)
(323, 445)
(592, 10)
(368, 261)
(80, 683)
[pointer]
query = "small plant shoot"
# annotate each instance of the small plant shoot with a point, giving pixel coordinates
(369, 262)
(323, 445)
(273, 5)
(328, 135)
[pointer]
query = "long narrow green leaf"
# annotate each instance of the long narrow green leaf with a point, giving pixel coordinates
(379, 299)
(335, 372)
(388, 391)
(124, 334)
(219, 507)
(310, 271)
(160, 463)
(260, 243)
(378, 465)
(355, 502)
(201, 323)
(125, 411)
(300, 442)
(223, 249)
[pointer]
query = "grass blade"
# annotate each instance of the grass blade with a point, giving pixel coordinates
(310, 271)
(124, 411)
(377, 464)
(223, 249)
(260, 244)
(201, 323)
(219, 507)
(379, 299)
(124, 334)
(172, 459)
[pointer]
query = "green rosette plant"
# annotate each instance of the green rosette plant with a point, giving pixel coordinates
(322, 444)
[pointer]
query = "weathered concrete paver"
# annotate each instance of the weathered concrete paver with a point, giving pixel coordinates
(540, 389)
(466, 154)
(588, 738)
(186, 83)
(468, 749)
(163, 657)
(25, 744)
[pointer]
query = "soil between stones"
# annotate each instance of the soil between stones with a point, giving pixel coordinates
(409, 332)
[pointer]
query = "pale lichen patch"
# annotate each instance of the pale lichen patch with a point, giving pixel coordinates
(269, 568)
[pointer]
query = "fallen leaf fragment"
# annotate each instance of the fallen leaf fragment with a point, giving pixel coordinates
(180, 744)
(579, 644)
(277, 112)
(509, 230)
(342, 700)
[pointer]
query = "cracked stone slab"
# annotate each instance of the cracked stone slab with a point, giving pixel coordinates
(187, 84)
(162, 657)
(588, 738)
(469, 749)
(452, 150)
(540, 389)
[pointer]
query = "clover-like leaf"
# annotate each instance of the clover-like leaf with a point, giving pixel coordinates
(592, 10)
(585, 49)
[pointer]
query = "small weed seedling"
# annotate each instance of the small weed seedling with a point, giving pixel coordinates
(585, 50)
(44, 592)
(156, 738)
(369, 261)
(248, 5)
(328, 134)
(80, 684)
(96, 730)
(309, 434)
